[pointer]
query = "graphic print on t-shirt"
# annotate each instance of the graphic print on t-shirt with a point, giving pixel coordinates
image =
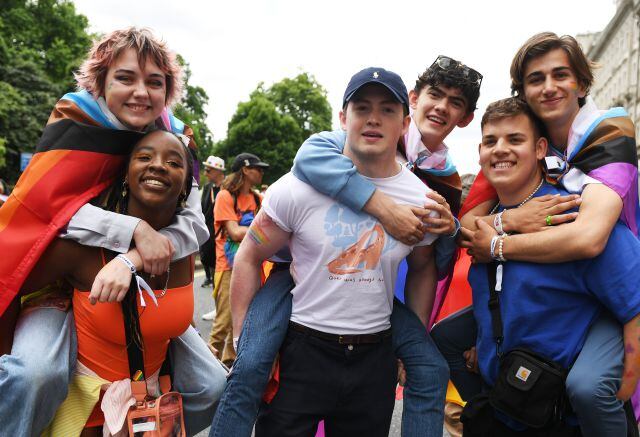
(361, 239)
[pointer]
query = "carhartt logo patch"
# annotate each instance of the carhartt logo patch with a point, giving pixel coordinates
(523, 374)
(375, 75)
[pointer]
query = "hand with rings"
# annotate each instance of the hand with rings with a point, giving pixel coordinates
(442, 221)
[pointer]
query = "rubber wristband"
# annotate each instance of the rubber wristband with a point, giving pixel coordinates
(127, 262)
(457, 228)
(492, 250)
(497, 222)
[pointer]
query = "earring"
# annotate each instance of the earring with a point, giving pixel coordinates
(125, 189)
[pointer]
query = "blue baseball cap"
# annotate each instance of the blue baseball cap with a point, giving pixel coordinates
(387, 78)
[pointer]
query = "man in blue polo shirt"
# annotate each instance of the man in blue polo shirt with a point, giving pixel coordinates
(547, 308)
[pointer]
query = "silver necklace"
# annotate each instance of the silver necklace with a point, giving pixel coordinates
(528, 198)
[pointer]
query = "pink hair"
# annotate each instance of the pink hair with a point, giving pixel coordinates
(93, 72)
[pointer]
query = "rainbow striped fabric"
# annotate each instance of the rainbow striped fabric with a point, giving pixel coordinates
(79, 154)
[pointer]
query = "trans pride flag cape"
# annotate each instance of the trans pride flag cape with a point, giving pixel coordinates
(440, 174)
(79, 154)
(601, 146)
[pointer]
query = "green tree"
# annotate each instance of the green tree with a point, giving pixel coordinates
(276, 121)
(41, 43)
(305, 100)
(191, 110)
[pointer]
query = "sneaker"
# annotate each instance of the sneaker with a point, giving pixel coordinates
(207, 283)
(209, 316)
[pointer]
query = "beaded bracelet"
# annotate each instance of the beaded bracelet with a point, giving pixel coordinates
(501, 257)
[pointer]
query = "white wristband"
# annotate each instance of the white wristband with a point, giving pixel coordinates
(127, 262)
(497, 222)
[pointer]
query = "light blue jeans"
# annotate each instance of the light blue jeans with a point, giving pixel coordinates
(595, 378)
(34, 378)
(263, 332)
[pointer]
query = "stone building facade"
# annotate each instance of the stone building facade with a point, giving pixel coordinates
(616, 49)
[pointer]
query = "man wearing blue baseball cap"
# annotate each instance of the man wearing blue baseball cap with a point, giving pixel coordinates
(337, 362)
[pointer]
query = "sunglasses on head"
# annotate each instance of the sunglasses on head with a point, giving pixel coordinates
(446, 63)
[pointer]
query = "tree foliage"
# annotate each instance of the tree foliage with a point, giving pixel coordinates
(191, 110)
(276, 121)
(41, 43)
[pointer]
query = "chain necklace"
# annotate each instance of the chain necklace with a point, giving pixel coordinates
(528, 198)
(164, 290)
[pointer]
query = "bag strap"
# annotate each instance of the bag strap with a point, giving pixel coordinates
(493, 270)
(131, 318)
(135, 355)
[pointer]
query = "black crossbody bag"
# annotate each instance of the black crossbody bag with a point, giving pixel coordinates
(530, 387)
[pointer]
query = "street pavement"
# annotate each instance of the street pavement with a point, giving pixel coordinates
(204, 303)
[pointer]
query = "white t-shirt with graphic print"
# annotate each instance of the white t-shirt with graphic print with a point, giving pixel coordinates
(344, 263)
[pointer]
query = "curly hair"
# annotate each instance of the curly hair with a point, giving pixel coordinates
(92, 73)
(434, 76)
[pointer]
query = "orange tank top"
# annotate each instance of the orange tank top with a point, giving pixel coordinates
(101, 338)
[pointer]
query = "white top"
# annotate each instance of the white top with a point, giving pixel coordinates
(344, 263)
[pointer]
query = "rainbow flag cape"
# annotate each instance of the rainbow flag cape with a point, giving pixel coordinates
(79, 154)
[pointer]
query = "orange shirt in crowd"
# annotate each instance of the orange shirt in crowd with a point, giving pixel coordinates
(223, 211)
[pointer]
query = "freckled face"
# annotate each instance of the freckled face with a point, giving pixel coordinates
(134, 94)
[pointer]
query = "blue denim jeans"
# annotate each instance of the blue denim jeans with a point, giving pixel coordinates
(34, 378)
(595, 378)
(199, 377)
(36, 374)
(264, 329)
(427, 374)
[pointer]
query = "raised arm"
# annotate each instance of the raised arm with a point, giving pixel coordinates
(420, 285)
(265, 238)
(321, 164)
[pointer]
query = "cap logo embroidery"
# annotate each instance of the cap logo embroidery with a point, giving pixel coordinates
(375, 75)
(246, 163)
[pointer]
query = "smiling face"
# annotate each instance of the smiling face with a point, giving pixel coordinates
(374, 120)
(437, 110)
(157, 173)
(135, 94)
(551, 88)
(509, 157)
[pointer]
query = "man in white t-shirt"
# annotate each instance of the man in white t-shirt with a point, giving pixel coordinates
(337, 362)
